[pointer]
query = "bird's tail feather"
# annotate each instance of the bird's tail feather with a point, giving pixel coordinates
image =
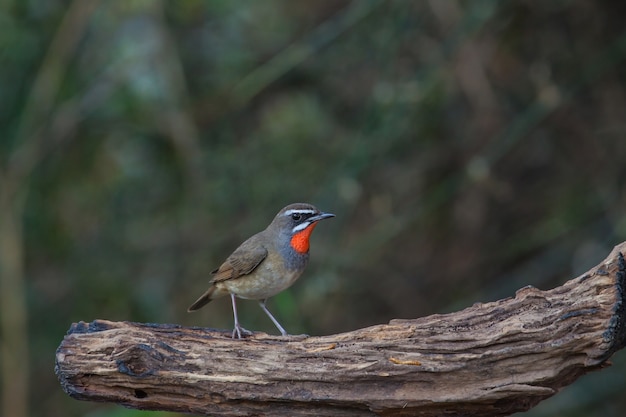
(203, 300)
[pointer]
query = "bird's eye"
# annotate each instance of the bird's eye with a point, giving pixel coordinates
(296, 216)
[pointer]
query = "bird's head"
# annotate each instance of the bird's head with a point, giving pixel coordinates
(297, 221)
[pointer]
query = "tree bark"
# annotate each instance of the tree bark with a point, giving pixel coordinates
(491, 359)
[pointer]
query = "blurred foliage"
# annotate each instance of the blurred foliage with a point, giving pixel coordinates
(467, 148)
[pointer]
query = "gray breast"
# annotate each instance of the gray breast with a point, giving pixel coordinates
(294, 260)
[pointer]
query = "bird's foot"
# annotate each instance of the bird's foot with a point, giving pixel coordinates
(239, 332)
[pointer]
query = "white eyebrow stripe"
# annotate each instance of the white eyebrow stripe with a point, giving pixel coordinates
(299, 211)
(301, 226)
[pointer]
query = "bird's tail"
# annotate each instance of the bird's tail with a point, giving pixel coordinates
(203, 300)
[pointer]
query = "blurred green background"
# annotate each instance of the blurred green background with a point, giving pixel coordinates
(467, 148)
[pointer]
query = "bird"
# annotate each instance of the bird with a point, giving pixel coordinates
(265, 264)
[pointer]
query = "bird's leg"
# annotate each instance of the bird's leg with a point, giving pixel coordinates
(238, 330)
(276, 323)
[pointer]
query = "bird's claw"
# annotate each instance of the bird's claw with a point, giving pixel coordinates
(239, 332)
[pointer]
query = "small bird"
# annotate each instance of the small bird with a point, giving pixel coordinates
(267, 263)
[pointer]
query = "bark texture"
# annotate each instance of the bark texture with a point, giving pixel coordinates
(491, 359)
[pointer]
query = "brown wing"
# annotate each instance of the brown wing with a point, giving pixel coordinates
(243, 261)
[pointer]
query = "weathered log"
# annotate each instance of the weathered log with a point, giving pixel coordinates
(491, 359)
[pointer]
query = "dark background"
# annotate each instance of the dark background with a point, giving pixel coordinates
(467, 148)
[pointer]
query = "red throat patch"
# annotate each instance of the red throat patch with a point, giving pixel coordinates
(300, 241)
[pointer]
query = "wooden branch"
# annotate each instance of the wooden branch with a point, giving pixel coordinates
(490, 359)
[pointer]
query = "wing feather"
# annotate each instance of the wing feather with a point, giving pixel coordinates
(242, 262)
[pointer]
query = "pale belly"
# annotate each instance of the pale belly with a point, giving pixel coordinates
(263, 283)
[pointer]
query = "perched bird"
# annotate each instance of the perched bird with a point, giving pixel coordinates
(267, 263)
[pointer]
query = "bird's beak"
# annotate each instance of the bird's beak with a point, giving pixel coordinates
(320, 216)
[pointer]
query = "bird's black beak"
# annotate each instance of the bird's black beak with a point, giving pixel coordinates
(320, 216)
